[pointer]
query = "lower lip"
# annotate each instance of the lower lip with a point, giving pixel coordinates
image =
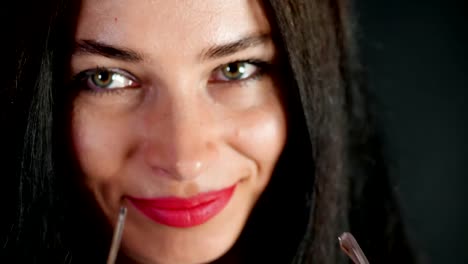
(184, 212)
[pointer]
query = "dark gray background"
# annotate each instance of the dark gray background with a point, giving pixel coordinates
(416, 60)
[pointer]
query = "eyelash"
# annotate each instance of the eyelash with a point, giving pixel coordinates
(261, 66)
(84, 78)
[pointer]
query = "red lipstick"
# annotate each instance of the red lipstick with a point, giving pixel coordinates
(184, 212)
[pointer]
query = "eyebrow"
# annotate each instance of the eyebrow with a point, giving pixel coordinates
(227, 49)
(93, 47)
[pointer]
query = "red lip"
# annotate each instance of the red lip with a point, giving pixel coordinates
(184, 212)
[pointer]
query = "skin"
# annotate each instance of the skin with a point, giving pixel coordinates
(178, 128)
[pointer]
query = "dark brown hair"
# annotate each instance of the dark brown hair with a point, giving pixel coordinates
(351, 189)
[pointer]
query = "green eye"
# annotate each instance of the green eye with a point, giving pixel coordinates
(234, 71)
(238, 71)
(102, 78)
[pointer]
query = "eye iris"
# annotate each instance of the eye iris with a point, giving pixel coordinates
(234, 71)
(102, 78)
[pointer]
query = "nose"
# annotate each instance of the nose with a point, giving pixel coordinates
(180, 139)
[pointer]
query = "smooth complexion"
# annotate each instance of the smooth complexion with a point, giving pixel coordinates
(175, 99)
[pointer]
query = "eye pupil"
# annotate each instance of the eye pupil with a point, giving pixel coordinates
(102, 78)
(234, 71)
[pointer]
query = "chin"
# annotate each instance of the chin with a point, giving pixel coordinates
(177, 256)
(195, 246)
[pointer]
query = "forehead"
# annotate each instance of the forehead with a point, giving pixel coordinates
(151, 25)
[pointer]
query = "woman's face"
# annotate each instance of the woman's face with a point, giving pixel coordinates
(177, 117)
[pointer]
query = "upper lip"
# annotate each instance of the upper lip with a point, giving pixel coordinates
(184, 212)
(175, 203)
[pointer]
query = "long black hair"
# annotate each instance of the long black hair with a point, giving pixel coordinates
(332, 167)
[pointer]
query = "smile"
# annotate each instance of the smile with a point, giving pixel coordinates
(184, 212)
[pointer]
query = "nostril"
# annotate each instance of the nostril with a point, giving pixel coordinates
(160, 171)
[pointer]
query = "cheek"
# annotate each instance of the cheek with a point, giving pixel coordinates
(97, 144)
(261, 134)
